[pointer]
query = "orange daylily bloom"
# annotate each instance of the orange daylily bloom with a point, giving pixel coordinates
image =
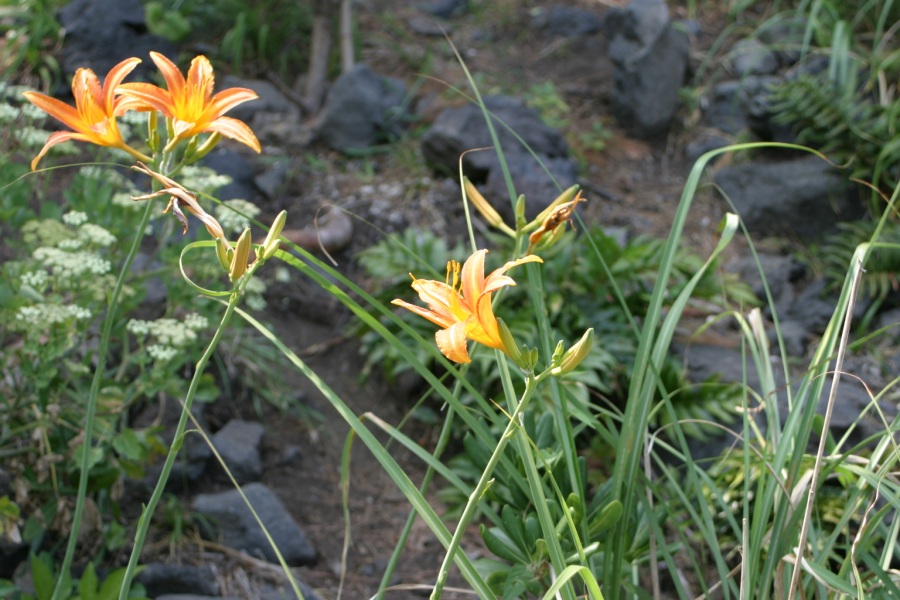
(93, 118)
(190, 103)
(462, 305)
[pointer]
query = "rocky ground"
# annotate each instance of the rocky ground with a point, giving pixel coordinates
(632, 180)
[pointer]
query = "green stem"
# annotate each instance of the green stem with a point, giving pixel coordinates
(91, 410)
(475, 497)
(394, 561)
(147, 513)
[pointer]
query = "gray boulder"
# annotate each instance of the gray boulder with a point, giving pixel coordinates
(463, 128)
(102, 33)
(752, 57)
(362, 109)
(805, 197)
(238, 445)
(161, 578)
(238, 528)
(567, 21)
(650, 59)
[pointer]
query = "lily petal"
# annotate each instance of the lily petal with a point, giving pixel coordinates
(452, 343)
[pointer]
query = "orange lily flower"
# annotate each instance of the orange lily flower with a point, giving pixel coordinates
(462, 306)
(190, 103)
(93, 119)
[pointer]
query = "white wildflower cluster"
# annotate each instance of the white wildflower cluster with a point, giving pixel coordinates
(255, 289)
(110, 176)
(95, 234)
(32, 112)
(16, 114)
(74, 218)
(203, 179)
(71, 265)
(234, 215)
(196, 321)
(8, 114)
(70, 245)
(125, 199)
(168, 335)
(161, 353)
(44, 315)
(35, 279)
(34, 137)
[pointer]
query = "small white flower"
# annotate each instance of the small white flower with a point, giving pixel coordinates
(229, 218)
(32, 112)
(36, 279)
(74, 218)
(47, 315)
(8, 114)
(91, 232)
(138, 327)
(203, 179)
(161, 353)
(70, 244)
(196, 321)
(282, 274)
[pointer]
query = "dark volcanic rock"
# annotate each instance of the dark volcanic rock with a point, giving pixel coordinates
(238, 445)
(463, 128)
(362, 109)
(160, 578)
(805, 197)
(238, 529)
(567, 21)
(102, 33)
(651, 59)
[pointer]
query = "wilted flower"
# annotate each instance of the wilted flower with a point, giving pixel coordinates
(554, 222)
(462, 305)
(180, 197)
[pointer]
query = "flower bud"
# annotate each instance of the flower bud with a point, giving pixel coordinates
(577, 353)
(520, 212)
(241, 256)
(484, 207)
(224, 252)
(272, 242)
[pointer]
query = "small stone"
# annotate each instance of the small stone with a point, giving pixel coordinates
(238, 443)
(752, 57)
(238, 528)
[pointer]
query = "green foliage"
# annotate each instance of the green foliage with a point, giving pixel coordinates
(169, 24)
(846, 122)
(89, 587)
(54, 285)
(883, 266)
(31, 34)
(258, 36)
(843, 100)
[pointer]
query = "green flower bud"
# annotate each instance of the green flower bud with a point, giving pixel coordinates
(577, 353)
(273, 238)
(241, 256)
